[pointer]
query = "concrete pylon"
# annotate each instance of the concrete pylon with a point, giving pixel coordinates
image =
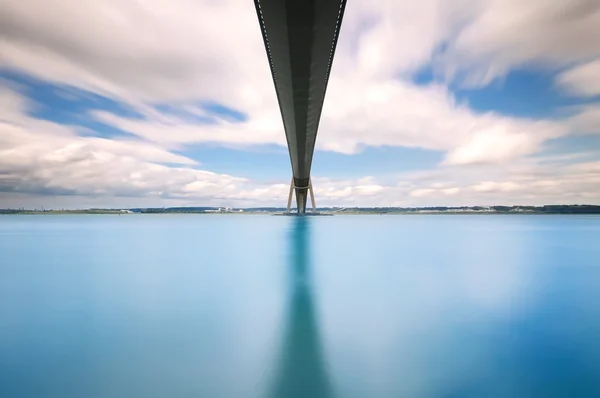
(302, 192)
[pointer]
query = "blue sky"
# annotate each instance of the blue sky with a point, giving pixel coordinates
(477, 102)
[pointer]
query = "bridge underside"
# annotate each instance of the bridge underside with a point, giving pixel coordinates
(300, 37)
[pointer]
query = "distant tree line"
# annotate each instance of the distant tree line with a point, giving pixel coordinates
(546, 209)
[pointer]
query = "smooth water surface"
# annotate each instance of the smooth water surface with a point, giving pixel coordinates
(260, 306)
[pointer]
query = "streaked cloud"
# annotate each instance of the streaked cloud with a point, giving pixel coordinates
(582, 80)
(501, 35)
(195, 73)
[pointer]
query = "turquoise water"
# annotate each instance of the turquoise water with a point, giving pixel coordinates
(261, 306)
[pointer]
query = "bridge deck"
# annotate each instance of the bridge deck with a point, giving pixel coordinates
(300, 38)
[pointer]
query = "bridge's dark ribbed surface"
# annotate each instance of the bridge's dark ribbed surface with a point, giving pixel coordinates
(300, 38)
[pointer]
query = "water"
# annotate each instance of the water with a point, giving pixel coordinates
(261, 306)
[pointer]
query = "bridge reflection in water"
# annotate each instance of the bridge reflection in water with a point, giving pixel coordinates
(301, 370)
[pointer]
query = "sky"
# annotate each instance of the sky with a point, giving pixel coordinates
(152, 103)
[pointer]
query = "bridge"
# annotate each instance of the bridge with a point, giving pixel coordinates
(300, 38)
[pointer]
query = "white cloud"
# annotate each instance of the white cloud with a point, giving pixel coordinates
(172, 131)
(396, 113)
(366, 113)
(526, 182)
(151, 52)
(501, 143)
(450, 191)
(158, 51)
(142, 51)
(52, 163)
(386, 38)
(368, 189)
(492, 186)
(586, 119)
(422, 192)
(582, 80)
(502, 35)
(43, 157)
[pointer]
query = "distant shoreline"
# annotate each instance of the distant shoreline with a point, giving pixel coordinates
(521, 210)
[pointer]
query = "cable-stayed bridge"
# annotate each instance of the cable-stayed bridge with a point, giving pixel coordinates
(300, 38)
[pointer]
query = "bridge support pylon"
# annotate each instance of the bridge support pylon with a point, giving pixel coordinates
(302, 191)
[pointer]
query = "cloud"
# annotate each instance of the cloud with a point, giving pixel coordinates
(501, 143)
(44, 157)
(586, 119)
(171, 61)
(164, 58)
(397, 113)
(52, 163)
(502, 35)
(492, 186)
(154, 51)
(174, 131)
(362, 113)
(582, 80)
(528, 181)
(390, 38)
(450, 191)
(422, 192)
(159, 50)
(474, 41)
